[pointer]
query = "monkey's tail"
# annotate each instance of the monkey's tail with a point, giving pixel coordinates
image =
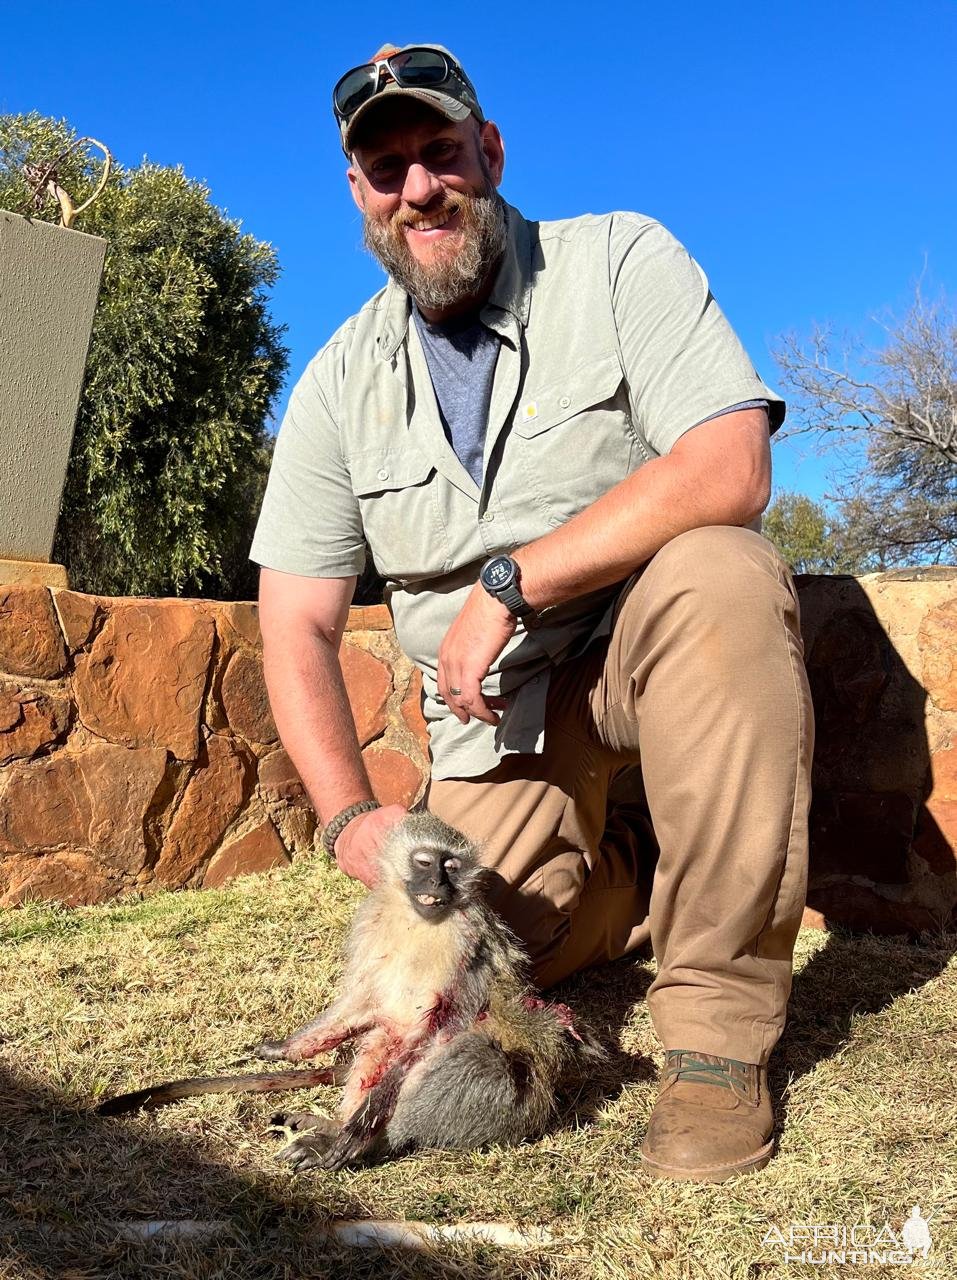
(159, 1095)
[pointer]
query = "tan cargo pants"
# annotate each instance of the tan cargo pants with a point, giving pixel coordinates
(702, 684)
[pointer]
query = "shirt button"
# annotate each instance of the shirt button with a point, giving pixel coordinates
(489, 516)
(564, 402)
(382, 473)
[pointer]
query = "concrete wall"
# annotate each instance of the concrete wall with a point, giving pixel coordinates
(50, 280)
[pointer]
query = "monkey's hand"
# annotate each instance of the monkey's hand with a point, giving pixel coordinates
(341, 1022)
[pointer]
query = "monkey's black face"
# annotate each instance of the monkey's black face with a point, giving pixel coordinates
(433, 882)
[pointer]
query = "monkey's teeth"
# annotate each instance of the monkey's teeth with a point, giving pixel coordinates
(426, 899)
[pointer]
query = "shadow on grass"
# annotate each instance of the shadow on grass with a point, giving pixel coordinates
(851, 975)
(67, 1177)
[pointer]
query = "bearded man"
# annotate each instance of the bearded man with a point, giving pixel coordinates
(556, 448)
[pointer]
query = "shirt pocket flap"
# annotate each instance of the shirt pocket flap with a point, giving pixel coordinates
(379, 472)
(589, 385)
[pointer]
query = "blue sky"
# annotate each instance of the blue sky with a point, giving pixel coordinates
(804, 152)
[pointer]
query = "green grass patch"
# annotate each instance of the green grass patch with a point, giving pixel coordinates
(98, 1000)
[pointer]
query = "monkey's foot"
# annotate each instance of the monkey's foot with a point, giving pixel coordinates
(313, 1137)
(299, 1121)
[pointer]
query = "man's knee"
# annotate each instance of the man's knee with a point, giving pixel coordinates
(719, 550)
(721, 571)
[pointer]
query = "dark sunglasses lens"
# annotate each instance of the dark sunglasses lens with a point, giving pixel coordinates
(419, 68)
(353, 89)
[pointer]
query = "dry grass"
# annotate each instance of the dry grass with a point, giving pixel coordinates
(102, 999)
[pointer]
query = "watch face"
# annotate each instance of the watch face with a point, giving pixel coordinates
(498, 573)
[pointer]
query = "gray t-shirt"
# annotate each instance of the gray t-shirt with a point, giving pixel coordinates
(461, 355)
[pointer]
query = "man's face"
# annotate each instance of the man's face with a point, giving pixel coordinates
(427, 190)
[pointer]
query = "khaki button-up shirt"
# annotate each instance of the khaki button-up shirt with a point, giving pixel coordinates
(612, 347)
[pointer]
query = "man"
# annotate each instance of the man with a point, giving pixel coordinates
(554, 445)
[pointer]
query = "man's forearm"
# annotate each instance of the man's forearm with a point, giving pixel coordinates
(312, 713)
(624, 528)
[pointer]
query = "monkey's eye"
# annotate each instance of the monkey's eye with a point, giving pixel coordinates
(422, 859)
(452, 864)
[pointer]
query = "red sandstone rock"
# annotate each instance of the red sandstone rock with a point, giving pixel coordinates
(944, 774)
(79, 614)
(241, 617)
(369, 617)
(937, 641)
(812, 919)
(395, 779)
(31, 643)
(142, 681)
(936, 837)
(861, 833)
(279, 779)
(299, 828)
(245, 700)
(860, 906)
(213, 797)
(71, 878)
(258, 850)
(93, 801)
(848, 669)
(368, 683)
(14, 869)
(412, 712)
(11, 709)
(29, 721)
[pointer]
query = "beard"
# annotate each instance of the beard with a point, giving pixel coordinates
(450, 277)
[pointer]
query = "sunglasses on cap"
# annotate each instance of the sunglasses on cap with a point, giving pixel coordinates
(415, 68)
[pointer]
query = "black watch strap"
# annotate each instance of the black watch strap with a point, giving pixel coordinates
(515, 602)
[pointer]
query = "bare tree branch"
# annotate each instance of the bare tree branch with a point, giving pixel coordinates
(899, 405)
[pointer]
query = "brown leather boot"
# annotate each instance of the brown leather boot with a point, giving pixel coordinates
(713, 1119)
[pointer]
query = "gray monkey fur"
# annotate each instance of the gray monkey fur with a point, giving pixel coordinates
(454, 1049)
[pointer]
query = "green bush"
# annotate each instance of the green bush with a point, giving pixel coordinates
(171, 449)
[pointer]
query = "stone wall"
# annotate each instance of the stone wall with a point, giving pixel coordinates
(137, 750)
(881, 653)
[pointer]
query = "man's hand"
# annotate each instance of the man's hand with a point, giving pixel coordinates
(360, 842)
(472, 643)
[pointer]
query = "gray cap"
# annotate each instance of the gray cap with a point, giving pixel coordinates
(456, 99)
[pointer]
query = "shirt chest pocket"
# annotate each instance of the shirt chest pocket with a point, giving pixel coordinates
(574, 440)
(399, 501)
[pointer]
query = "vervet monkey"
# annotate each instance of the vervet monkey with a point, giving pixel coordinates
(453, 1047)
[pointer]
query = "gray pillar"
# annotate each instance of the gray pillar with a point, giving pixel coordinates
(49, 281)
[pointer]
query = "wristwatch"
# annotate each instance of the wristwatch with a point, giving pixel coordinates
(501, 578)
